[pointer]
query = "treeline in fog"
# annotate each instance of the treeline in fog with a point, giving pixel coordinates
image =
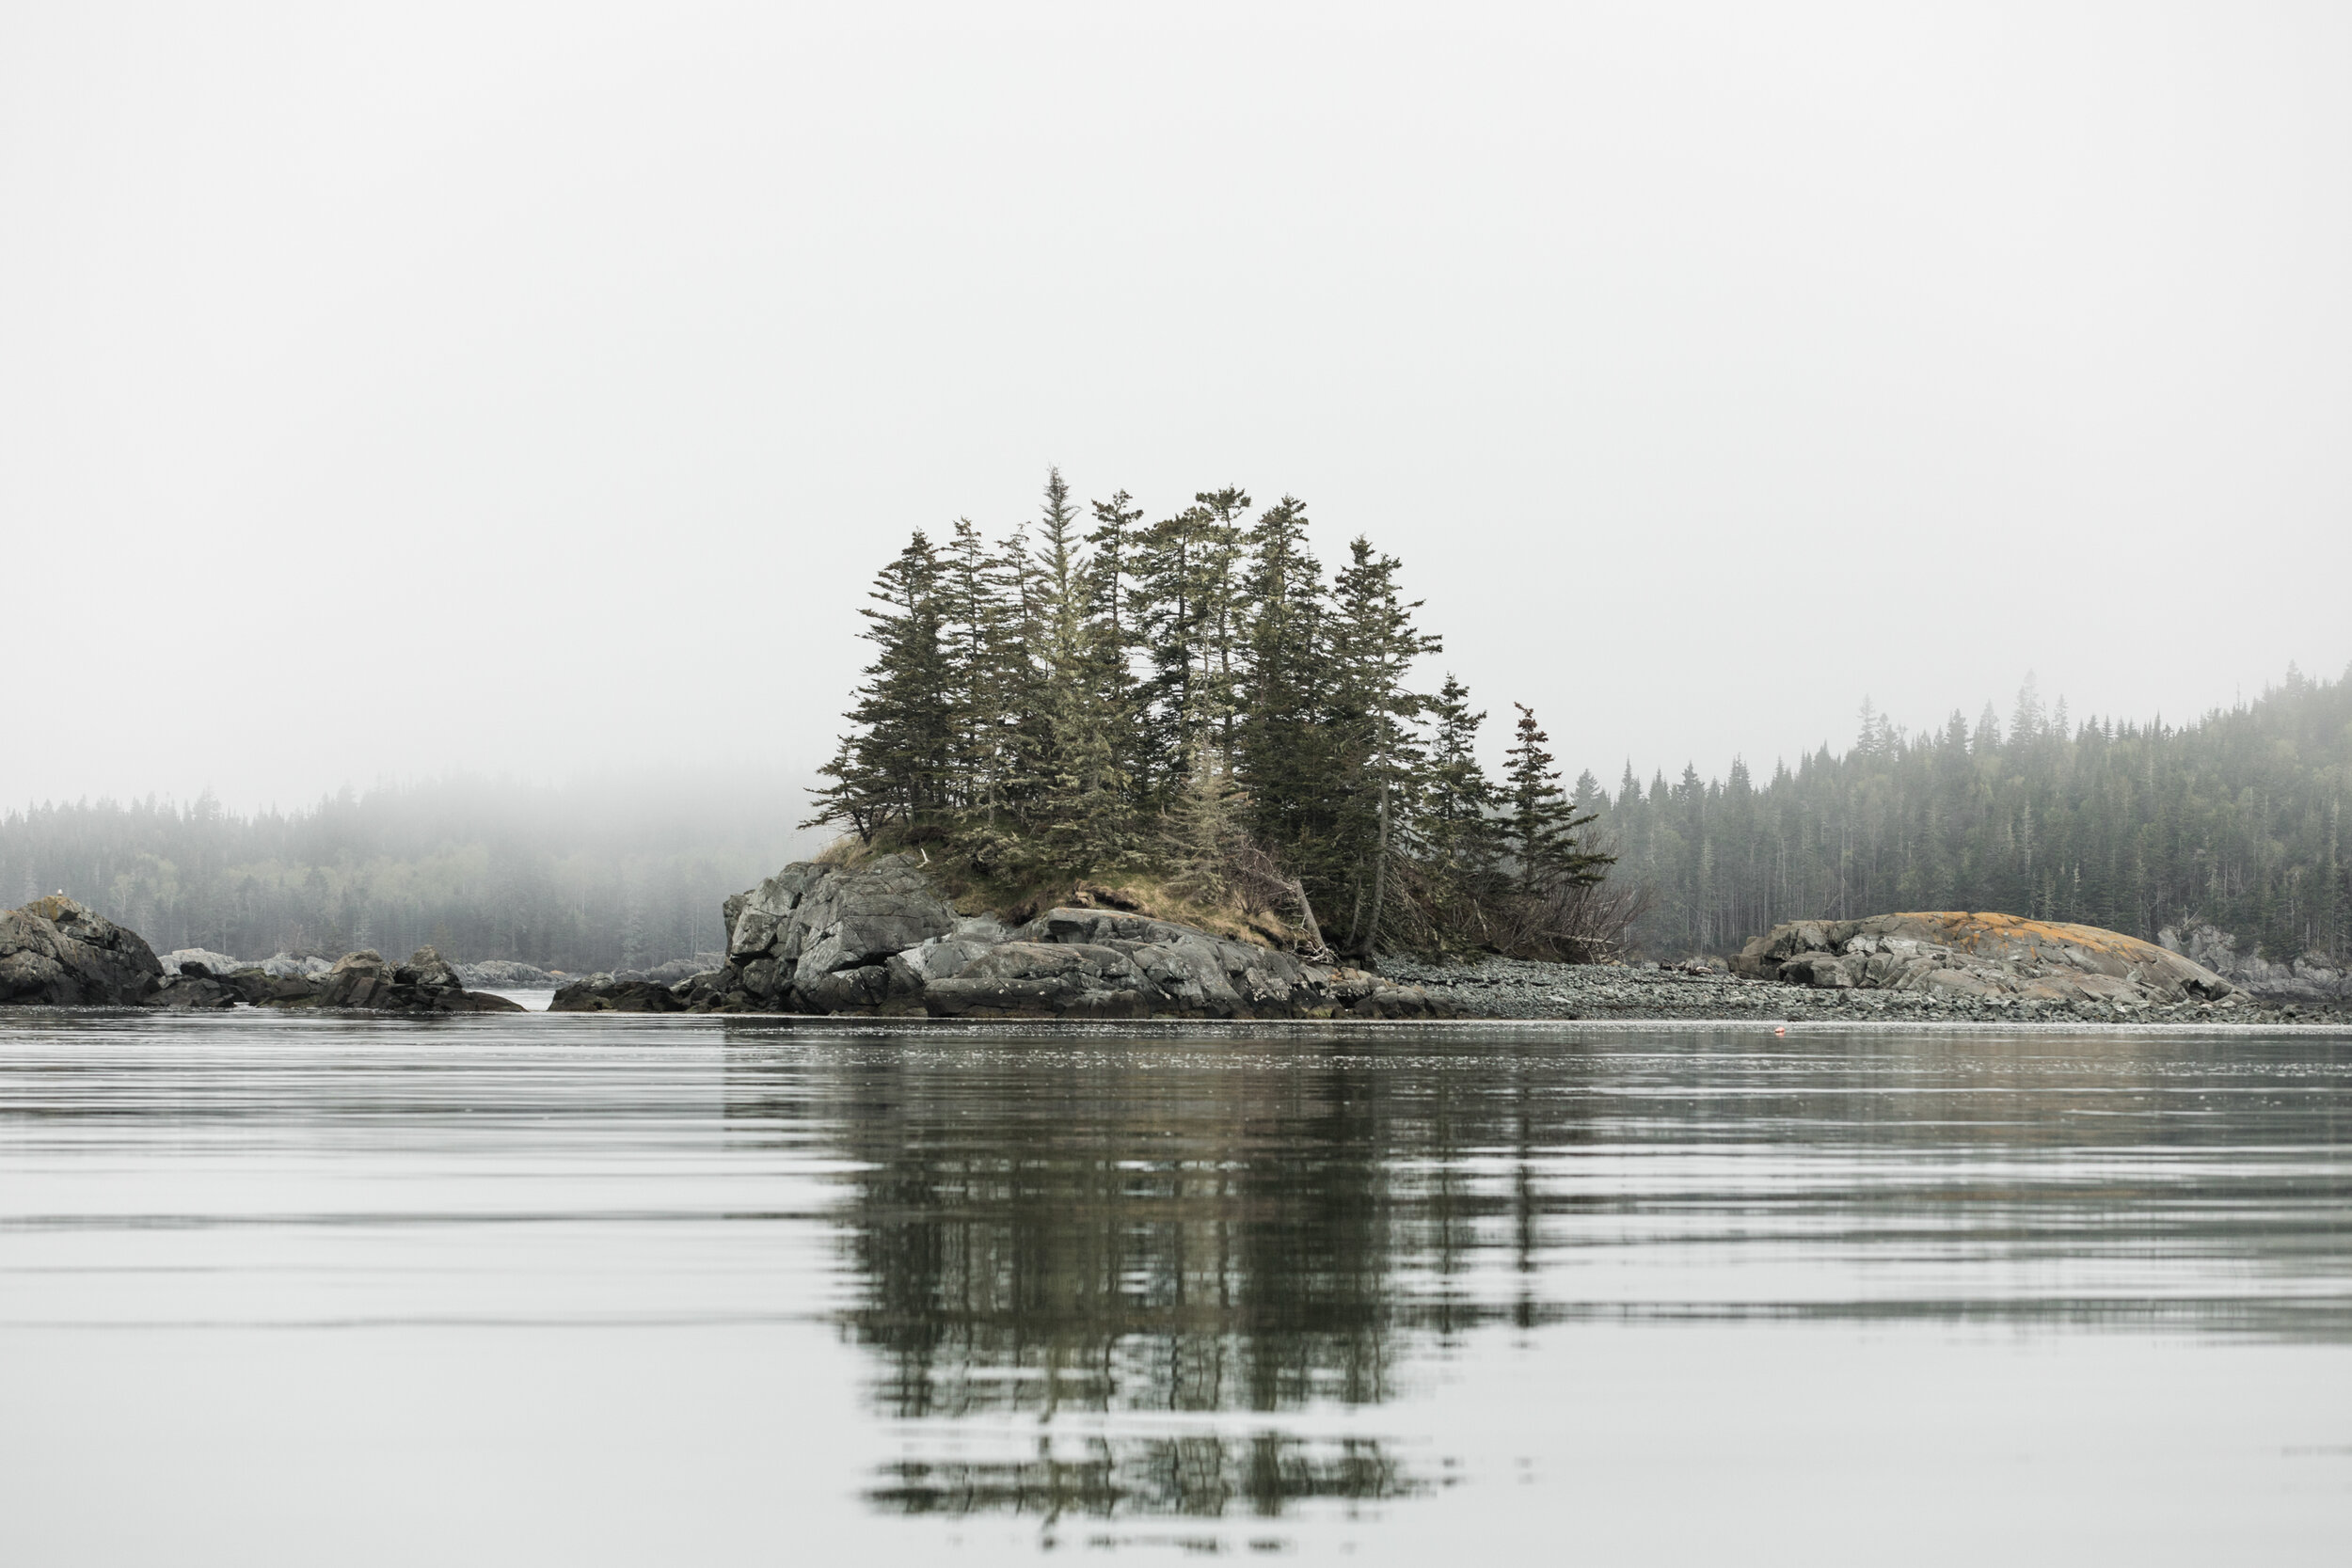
(592, 877)
(2237, 818)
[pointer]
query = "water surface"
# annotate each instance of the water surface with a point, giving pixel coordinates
(585, 1289)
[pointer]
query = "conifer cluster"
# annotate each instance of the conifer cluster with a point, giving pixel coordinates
(1195, 697)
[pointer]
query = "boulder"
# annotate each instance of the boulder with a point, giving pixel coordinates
(1985, 956)
(808, 922)
(603, 993)
(56, 953)
(425, 984)
(192, 989)
(216, 963)
(278, 965)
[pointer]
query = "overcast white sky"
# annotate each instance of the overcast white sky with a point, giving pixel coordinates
(396, 389)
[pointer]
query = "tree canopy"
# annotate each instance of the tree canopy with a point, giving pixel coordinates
(1196, 696)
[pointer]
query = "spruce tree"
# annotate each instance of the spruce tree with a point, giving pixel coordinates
(1085, 818)
(1282, 755)
(1373, 716)
(1540, 832)
(895, 764)
(1460, 800)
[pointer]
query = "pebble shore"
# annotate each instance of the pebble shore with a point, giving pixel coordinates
(1514, 987)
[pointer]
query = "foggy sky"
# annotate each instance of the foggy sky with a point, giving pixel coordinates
(390, 391)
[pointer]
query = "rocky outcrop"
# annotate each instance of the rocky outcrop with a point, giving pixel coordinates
(603, 993)
(2310, 977)
(425, 984)
(56, 953)
(1987, 957)
(1098, 963)
(802, 940)
(878, 939)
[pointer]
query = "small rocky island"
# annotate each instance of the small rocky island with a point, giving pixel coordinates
(878, 938)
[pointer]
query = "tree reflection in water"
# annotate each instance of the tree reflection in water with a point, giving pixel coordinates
(1132, 1230)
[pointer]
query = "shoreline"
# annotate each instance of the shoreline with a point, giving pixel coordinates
(1842, 1020)
(1501, 988)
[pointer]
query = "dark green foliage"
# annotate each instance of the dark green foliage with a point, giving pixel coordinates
(1540, 832)
(1191, 696)
(2237, 819)
(925, 717)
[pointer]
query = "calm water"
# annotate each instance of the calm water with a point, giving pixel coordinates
(573, 1290)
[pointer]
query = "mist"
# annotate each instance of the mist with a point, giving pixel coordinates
(532, 391)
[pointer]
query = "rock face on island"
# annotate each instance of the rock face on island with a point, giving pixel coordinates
(1984, 956)
(56, 953)
(878, 938)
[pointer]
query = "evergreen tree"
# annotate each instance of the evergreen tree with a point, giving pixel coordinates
(1372, 722)
(897, 760)
(1086, 819)
(1284, 757)
(1540, 833)
(1458, 805)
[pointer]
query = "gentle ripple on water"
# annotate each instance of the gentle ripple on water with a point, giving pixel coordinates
(578, 1288)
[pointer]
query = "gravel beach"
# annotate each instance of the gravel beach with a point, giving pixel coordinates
(1511, 988)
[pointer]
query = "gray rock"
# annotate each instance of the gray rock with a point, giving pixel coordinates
(280, 965)
(193, 990)
(1046, 979)
(216, 963)
(1983, 957)
(2308, 977)
(878, 939)
(1196, 975)
(809, 922)
(507, 975)
(56, 953)
(603, 993)
(425, 984)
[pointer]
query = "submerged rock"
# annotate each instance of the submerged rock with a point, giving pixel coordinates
(1989, 957)
(55, 952)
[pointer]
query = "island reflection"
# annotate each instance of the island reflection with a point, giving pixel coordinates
(1074, 1233)
(1169, 1272)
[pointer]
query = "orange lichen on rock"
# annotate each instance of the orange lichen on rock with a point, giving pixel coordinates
(1979, 953)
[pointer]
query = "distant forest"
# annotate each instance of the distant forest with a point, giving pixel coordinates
(581, 878)
(2237, 818)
